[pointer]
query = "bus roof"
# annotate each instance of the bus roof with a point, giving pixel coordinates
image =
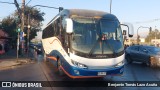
(88, 13)
(84, 13)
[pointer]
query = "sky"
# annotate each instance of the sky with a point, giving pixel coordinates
(145, 13)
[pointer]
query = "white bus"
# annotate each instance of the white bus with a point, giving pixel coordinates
(84, 43)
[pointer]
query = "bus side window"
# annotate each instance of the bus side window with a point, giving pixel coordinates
(64, 35)
(48, 32)
(57, 26)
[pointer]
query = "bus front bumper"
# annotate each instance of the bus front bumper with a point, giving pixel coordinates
(75, 72)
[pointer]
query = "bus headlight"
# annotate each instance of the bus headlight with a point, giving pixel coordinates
(120, 64)
(79, 64)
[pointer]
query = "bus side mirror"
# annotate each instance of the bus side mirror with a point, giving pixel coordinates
(130, 28)
(69, 25)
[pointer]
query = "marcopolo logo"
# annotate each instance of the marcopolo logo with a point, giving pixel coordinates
(6, 84)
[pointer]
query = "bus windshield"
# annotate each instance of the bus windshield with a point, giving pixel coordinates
(96, 36)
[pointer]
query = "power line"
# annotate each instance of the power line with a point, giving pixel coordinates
(148, 21)
(28, 2)
(6, 2)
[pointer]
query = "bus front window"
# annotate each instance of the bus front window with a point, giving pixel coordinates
(88, 34)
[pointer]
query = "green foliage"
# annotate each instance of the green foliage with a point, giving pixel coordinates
(9, 25)
(152, 34)
(12, 22)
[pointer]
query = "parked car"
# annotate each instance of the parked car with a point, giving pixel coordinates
(149, 55)
(37, 47)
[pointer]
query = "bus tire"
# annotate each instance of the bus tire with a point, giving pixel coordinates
(60, 71)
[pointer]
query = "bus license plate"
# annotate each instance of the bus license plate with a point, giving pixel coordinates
(102, 73)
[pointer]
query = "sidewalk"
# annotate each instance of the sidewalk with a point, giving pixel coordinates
(9, 63)
(9, 60)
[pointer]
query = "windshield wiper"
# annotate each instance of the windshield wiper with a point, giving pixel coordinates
(110, 46)
(92, 49)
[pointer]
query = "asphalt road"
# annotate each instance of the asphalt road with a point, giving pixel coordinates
(45, 71)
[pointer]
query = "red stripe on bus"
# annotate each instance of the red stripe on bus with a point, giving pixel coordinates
(52, 58)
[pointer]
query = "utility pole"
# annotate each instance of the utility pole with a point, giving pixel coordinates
(28, 31)
(110, 6)
(155, 37)
(138, 36)
(22, 26)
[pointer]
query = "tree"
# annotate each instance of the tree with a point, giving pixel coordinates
(36, 18)
(12, 22)
(9, 26)
(152, 34)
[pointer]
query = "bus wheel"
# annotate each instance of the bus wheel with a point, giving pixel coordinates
(60, 71)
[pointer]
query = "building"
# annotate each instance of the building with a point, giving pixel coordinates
(130, 41)
(156, 42)
(3, 40)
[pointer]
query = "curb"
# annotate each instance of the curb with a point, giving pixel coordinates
(12, 63)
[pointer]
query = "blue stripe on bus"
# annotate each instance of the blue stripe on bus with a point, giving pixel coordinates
(86, 72)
